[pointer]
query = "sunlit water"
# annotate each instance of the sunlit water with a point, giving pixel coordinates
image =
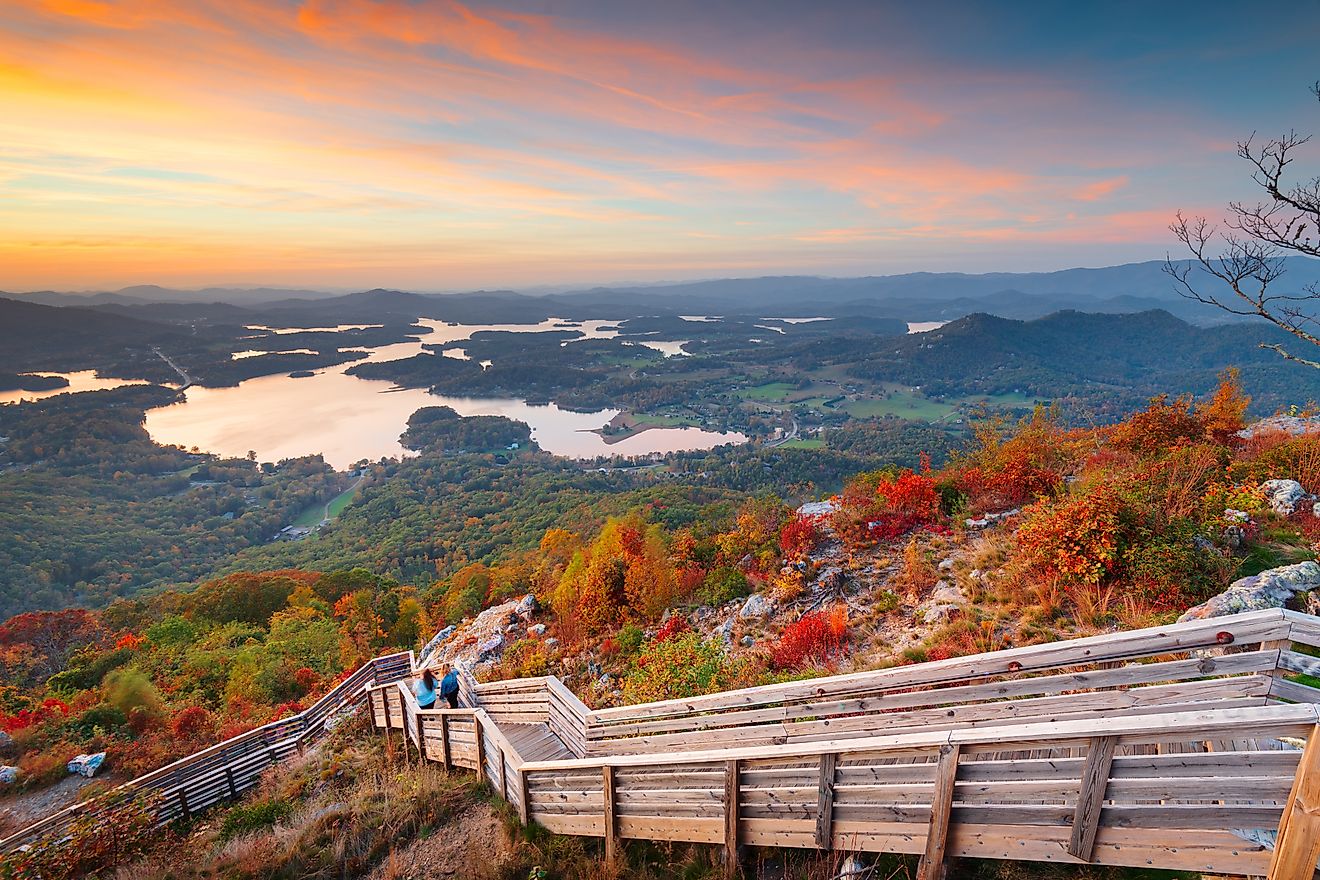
(83, 380)
(348, 419)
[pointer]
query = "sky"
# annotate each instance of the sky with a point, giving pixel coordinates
(442, 145)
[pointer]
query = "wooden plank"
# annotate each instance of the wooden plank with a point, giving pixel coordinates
(825, 800)
(607, 808)
(524, 799)
(1297, 846)
(1095, 779)
(444, 743)
(933, 862)
(482, 775)
(731, 789)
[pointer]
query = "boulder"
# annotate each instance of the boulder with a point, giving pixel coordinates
(1295, 425)
(757, 605)
(87, 765)
(8, 775)
(725, 632)
(491, 646)
(947, 564)
(1269, 589)
(527, 606)
(817, 508)
(536, 629)
(938, 613)
(1283, 495)
(944, 593)
(552, 642)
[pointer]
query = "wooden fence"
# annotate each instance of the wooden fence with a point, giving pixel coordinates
(228, 769)
(1188, 747)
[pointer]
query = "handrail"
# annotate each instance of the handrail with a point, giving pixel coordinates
(1152, 748)
(239, 769)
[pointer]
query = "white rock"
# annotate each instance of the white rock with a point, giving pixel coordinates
(537, 629)
(945, 592)
(1283, 495)
(946, 564)
(1269, 589)
(757, 605)
(1294, 425)
(8, 775)
(817, 508)
(552, 642)
(938, 613)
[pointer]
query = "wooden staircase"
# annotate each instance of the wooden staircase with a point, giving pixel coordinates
(1188, 747)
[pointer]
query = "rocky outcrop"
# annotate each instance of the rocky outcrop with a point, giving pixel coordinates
(1295, 425)
(1274, 588)
(1283, 496)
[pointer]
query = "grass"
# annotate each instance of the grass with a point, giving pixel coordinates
(903, 404)
(804, 443)
(771, 392)
(314, 514)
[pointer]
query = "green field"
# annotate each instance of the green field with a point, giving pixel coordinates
(804, 443)
(902, 404)
(314, 514)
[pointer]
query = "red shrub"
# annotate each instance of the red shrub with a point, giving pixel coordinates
(815, 637)
(50, 708)
(193, 721)
(674, 626)
(799, 537)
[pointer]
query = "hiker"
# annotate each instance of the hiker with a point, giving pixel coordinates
(424, 690)
(449, 686)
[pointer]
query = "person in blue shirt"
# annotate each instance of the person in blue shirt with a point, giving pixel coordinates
(424, 690)
(449, 687)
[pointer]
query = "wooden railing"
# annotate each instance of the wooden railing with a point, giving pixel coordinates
(1175, 747)
(228, 769)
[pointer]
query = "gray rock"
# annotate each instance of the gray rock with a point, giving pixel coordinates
(1283, 495)
(528, 606)
(8, 775)
(1234, 537)
(944, 593)
(757, 605)
(537, 629)
(1269, 589)
(831, 578)
(5, 740)
(817, 508)
(748, 641)
(1294, 425)
(854, 867)
(725, 632)
(946, 564)
(552, 642)
(990, 519)
(938, 613)
(491, 646)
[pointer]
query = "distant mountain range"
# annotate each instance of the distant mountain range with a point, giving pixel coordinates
(921, 296)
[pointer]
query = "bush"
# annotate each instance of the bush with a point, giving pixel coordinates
(1078, 539)
(246, 818)
(813, 638)
(722, 585)
(683, 666)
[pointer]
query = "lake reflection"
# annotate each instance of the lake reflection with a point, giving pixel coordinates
(347, 419)
(82, 380)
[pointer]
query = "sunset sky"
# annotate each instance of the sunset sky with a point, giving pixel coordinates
(441, 146)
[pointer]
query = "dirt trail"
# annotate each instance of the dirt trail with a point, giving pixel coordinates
(21, 810)
(470, 846)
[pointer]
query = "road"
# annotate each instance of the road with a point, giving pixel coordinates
(183, 374)
(790, 436)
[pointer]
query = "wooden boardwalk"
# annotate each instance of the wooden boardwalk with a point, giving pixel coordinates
(1186, 747)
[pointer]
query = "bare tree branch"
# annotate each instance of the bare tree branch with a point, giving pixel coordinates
(1249, 258)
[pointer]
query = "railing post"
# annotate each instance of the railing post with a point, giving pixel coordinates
(444, 743)
(482, 776)
(731, 797)
(385, 702)
(233, 789)
(1091, 796)
(421, 739)
(1298, 844)
(524, 799)
(611, 819)
(933, 863)
(183, 804)
(825, 800)
(504, 775)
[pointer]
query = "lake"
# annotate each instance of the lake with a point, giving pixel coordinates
(82, 380)
(347, 419)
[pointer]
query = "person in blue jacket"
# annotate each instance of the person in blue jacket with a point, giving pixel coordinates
(449, 686)
(424, 690)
